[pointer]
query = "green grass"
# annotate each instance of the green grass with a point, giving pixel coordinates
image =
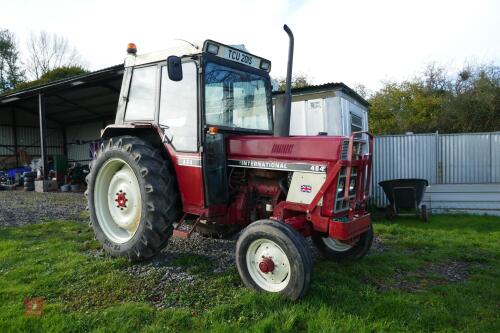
(88, 293)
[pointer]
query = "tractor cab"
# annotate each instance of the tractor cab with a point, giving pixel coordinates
(190, 89)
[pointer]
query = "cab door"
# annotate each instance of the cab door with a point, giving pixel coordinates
(215, 169)
(178, 118)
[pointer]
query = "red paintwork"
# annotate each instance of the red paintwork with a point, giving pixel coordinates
(121, 199)
(266, 265)
(190, 181)
(293, 149)
(299, 222)
(351, 229)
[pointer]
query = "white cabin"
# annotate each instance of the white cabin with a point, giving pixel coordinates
(333, 108)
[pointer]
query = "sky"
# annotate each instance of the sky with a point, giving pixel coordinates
(350, 41)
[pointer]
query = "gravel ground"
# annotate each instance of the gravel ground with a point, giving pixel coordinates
(21, 208)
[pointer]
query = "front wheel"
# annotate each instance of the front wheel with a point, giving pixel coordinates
(271, 256)
(337, 250)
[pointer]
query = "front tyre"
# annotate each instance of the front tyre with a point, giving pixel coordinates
(271, 256)
(336, 250)
(132, 198)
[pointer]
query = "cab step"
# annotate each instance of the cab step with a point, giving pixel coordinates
(185, 230)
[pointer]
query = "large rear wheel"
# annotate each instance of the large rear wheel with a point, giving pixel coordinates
(132, 197)
(273, 257)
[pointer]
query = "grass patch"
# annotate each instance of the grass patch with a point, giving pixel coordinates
(451, 264)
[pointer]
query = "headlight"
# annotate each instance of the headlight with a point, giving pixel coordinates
(265, 65)
(212, 48)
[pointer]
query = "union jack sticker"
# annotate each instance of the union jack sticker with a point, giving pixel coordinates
(305, 188)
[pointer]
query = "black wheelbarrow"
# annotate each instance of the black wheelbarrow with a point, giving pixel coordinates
(405, 195)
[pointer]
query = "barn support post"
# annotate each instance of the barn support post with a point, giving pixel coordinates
(14, 135)
(65, 142)
(43, 135)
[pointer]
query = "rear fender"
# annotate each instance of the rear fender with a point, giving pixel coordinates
(147, 132)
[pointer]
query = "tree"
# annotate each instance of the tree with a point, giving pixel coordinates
(298, 81)
(11, 73)
(54, 75)
(474, 104)
(362, 90)
(47, 51)
(435, 78)
(436, 101)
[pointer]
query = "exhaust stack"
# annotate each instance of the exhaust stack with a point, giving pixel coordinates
(283, 106)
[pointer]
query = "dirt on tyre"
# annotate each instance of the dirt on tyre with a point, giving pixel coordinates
(133, 198)
(273, 257)
(337, 250)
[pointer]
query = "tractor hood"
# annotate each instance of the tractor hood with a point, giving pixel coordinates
(319, 149)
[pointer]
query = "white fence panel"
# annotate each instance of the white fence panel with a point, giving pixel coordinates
(403, 156)
(458, 162)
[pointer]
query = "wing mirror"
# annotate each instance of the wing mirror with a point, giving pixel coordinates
(174, 67)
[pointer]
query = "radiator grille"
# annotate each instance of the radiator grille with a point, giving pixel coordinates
(345, 150)
(284, 149)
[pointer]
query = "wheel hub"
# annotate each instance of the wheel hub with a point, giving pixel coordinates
(266, 265)
(121, 200)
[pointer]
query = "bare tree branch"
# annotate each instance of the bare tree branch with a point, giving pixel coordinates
(47, 51)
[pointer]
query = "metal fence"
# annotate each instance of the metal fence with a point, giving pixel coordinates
(440, 158)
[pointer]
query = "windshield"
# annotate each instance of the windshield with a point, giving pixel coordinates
(236, 99)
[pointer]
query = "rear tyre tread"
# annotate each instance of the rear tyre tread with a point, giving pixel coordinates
(161, 197)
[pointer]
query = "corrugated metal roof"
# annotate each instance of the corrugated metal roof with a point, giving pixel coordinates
(54, 85)
(87, 97)
(325, 87)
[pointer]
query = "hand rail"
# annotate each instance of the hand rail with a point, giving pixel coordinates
(369, 156)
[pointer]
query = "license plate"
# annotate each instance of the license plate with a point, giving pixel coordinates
(241, 57)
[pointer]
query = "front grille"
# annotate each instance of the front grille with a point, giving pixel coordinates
(284, 149)
(357, 149)
(345, 150)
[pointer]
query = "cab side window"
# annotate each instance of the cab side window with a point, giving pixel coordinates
(179, 108)
(141, 98)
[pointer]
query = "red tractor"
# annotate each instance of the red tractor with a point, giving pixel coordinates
(195, 140)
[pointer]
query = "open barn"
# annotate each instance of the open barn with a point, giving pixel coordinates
(61, 118)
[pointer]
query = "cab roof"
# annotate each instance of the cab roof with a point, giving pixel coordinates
(146, 58)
